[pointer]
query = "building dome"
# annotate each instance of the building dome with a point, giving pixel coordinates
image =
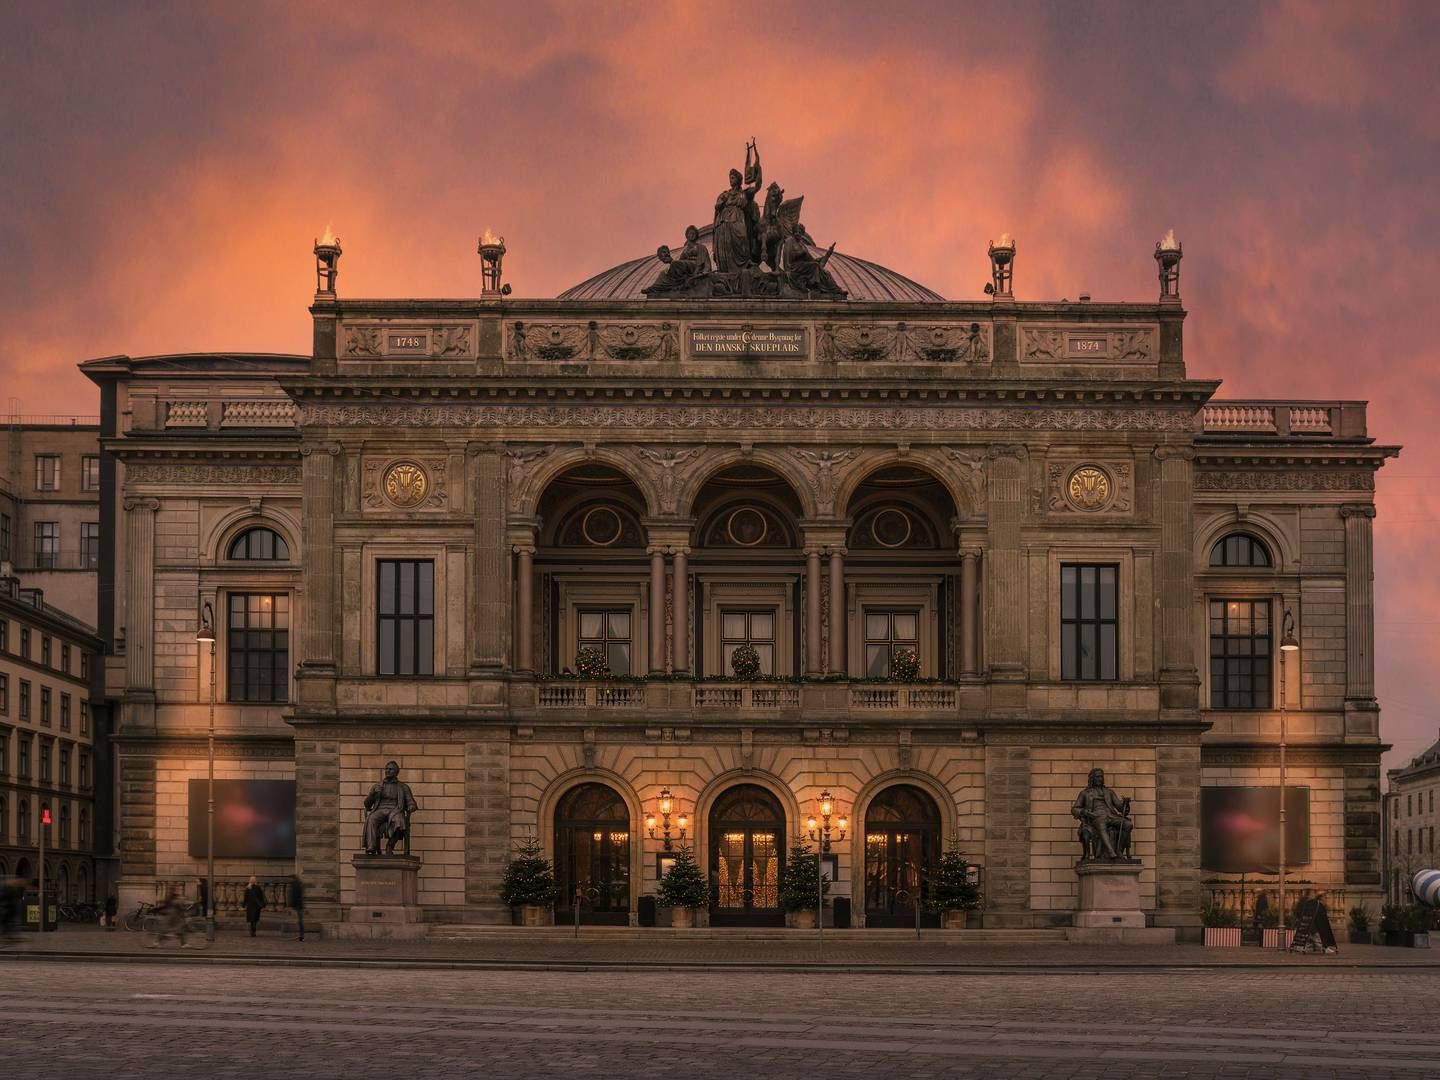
(861, 279)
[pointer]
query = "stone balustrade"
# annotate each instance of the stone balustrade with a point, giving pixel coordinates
(1343, 419)
(747, 696)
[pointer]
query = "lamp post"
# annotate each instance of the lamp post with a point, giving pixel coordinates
(1288, 644)
(666, 806)
(820, 832)
(206, 633)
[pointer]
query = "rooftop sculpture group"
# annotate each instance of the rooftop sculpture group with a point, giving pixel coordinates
(756, 256)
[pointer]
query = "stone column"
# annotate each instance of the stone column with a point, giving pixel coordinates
(1174, 511)
(1359, 602)
(814, 662)
(140, 596)
(837, 664)
(657, 609)
(681, 616)
(1005, 569)
(525, 608)
(1177, 833)
(490, 568)
(969, 611)
(317, 631)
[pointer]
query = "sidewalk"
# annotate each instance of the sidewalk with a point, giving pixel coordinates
(515, 948)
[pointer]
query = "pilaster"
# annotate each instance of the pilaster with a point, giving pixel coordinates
(1007, 835)
(1177, 835)
(1005, 583)
(490, 578)
(140, 612)
(1174, 492)
(315, 677)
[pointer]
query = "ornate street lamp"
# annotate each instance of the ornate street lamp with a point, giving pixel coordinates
(492, 256)
(821, 830)
(206, 635)
(1002, 267)
(1168, 254)
(327, 264)
(1288, 645)
(666, 807)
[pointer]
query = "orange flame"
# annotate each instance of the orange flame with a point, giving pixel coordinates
(328, 240)
(489, 238)
(1167, 242)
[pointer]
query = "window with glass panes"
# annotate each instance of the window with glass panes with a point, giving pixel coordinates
(25, 642)
(1240, 658)
(89, 545)
(405, 633)
(47, 544)
(22, 817)
(45, 761)
(84, 770)
(64, 766)
(258, 647)
(64, 712)
(64, 824)
(4, 751)
(4, 694)
(24, 699)
(65, 658)
(5, 537)
(886, 631)
(45, 650)
(1089, 622)
(47, 472)
(84, 718)
(607, 629)
(4, 635)
(45, 705)
(753, 628)
(90, 472)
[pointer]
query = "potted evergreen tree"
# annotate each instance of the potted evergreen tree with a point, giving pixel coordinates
(529, 884)
(800, 885)
(684, 889)
(1360, 925)
(745, 663)
(1222, 927)
(952, 892)
(904, 665)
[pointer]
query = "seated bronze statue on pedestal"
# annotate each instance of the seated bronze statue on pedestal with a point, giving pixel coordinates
(387, 812)
(1105, 821)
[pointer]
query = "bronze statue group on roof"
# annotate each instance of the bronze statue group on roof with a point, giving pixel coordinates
(756, 256)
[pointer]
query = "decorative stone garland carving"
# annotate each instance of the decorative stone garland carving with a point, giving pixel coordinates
(156, 473)
(936, 343)
(1285, 480)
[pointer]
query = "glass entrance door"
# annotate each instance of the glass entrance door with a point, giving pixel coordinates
(746, 852)
(592, 857)
(902, 848)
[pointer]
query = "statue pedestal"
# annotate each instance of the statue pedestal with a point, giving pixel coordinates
(1109, 911)
(1109, 894)
(386, 898)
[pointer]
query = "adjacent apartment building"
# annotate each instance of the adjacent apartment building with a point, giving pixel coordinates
(47, 743)
(1411, 820)
(974, 547)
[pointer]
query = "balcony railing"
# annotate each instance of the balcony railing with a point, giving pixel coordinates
(747, 696)
(577, 695)
(1325, 418)
(898, 698)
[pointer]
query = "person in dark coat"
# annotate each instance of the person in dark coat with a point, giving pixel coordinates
(202, 896)
(254, 903)
(112, 910)
(297, 902)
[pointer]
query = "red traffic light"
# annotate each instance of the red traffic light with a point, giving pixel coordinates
(44, 814)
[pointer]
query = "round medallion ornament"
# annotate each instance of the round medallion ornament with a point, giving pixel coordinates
(405, 484)
(1089, 488)
(601, 526)
(891, 528)
(746, 527)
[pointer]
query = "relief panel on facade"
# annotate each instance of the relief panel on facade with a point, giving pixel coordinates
(1070, 345)
(550, 342)
(925, 343)
(410, 483)
(1090, 486)
(454, 341)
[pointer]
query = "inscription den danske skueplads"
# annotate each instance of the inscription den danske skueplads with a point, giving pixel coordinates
(747, 341)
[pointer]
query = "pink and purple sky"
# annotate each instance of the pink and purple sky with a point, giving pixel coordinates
(166, 168)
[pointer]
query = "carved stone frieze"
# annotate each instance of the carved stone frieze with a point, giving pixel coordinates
(1064, 345)
(524, 460)
(415, 482)
(363, 341)
(933, 343)
(448, 341)
(1285, 480)
(1090, 486)
(971, 471)
(663, 466)
(145, 472)
(440, 342)
(638, 341)
(726, 417)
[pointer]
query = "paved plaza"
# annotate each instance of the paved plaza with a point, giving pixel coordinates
(188, 1015)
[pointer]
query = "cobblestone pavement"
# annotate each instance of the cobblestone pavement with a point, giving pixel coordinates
(82, 1019)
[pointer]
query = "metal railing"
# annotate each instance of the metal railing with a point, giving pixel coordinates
(229, 892)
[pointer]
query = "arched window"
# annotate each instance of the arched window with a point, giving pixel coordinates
(1239, 549)
(259, 543)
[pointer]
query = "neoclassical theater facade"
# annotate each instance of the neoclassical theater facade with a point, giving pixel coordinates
(417, 541)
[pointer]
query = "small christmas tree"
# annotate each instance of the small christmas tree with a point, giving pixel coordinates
(590, 663)
(799, 887)
(951, 888)
(745, 662)
(685, 885)
(529, 878)
(905, 665)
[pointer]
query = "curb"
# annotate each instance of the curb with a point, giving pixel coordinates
(778, 967)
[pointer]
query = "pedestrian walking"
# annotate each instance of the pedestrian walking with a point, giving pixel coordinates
(169, 918)
(112, 909)
(254, 903)
(202, 896)
(12, 896)
(297, 902)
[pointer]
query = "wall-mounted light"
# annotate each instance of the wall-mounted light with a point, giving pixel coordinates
(666, 807)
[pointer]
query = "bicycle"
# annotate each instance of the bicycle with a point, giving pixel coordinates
(136, 919)
(193, 928)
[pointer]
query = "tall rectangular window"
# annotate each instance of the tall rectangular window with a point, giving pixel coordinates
(22, 768)
(64, 765)
(405, 631)
(4, 635)
(4, 751)
(65, 657)
(90, 472)
(47, 544)
(25, 642)
(89, 545)
(753, 628)
(84, 718)
(45, 705)
(64, 712)
(5, 555)
(47, 472)
(886, 631)
(4, 694)
(258, 647)
(84, 770)
(1089, 622)
(609, 631)
(24, 699)
(45, 761)
(45, 649)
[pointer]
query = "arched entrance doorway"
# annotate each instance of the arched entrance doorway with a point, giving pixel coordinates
(592, 856)
(902, 848)
(747, 829)
(62, 885)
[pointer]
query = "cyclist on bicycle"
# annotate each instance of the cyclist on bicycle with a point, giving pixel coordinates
(170, 918)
